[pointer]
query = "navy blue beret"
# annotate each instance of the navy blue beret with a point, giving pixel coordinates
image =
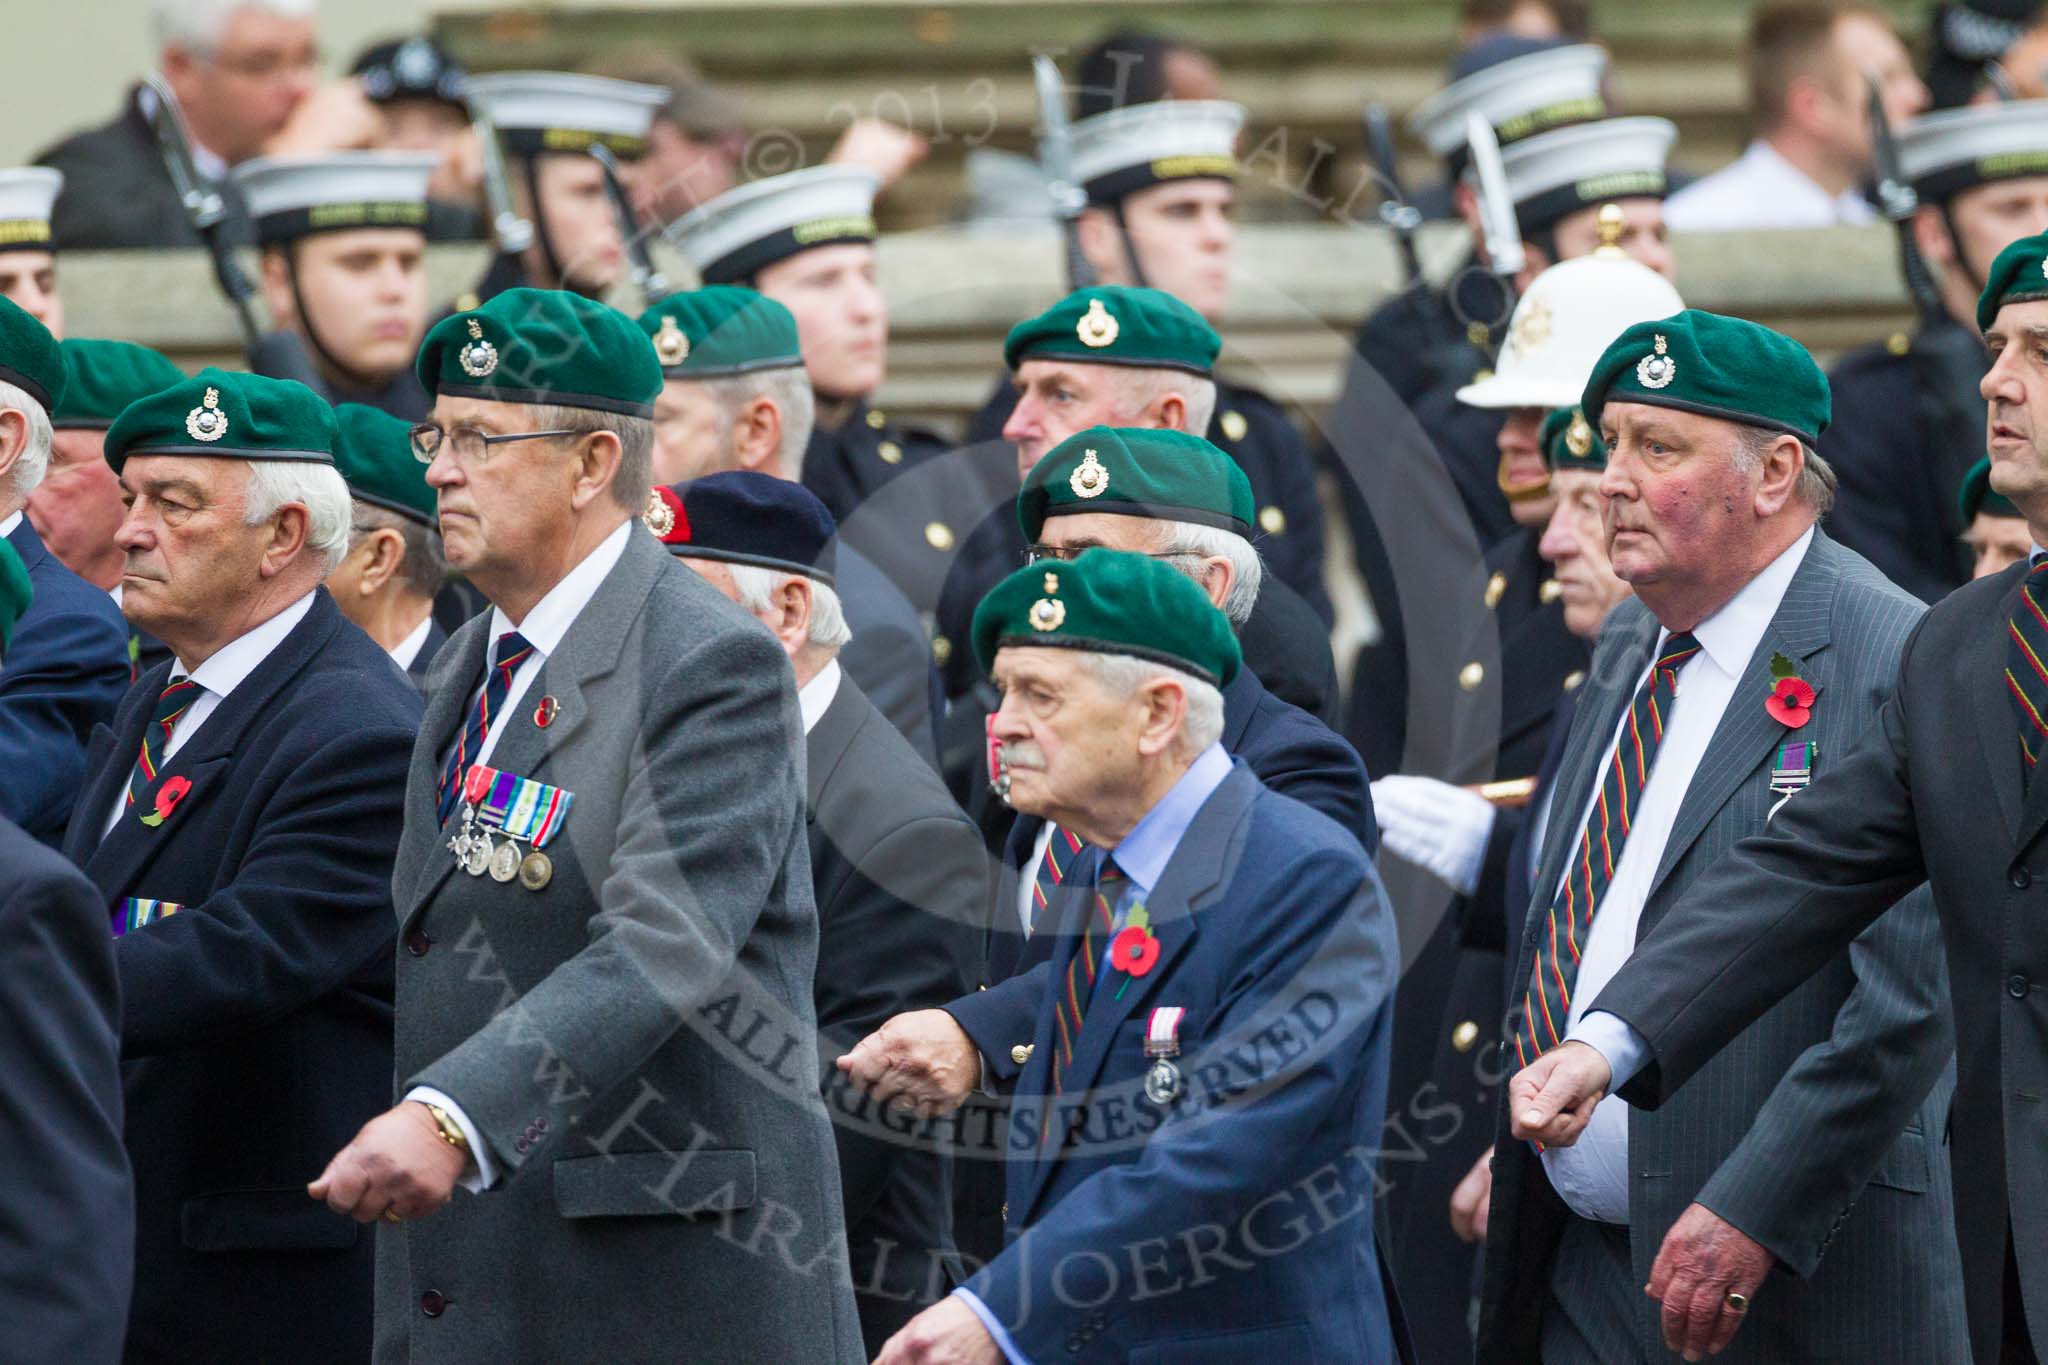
(744, 517)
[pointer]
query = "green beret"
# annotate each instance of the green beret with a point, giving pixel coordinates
(1717, 366)
(721, 329)
(543, 346)
(233, 416)
(15, 591)
(1113, 603)
(103, 377)
(1569, 442)
(1114, 325)
(1978, 496)
(373, 451)
(29, 356)
(2018, 275)
(1134, 472)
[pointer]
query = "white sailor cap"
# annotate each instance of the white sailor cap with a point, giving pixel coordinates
(1560, 172)
(764, 221)
(290, 197)
(1945, 153)
(1127, 149)
(26, 195)
(1565, 321)
(556, 111)
(1518, 98)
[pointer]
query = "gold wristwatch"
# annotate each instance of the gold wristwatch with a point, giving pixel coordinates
(451, 1131)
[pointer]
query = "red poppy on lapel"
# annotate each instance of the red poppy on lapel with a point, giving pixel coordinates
(167, 798)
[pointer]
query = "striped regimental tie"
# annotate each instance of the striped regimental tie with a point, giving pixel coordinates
(506, 654)
(2026, 665)
(1061, 849)
(1077, 987)
(177, 697)
(1547, 1002)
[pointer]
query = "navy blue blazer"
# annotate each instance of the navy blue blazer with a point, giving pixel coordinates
(256, 1021)
(68, 1261)
(64, 673)
(1234, 1222)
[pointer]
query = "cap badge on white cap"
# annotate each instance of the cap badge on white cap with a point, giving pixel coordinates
(1089, 479)
(207, 422)
(1658, 370)
(479, 357)
(671, 347)
(1532, 327)
(1096, 327)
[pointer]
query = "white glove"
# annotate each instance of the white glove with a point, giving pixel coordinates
(1440, 828)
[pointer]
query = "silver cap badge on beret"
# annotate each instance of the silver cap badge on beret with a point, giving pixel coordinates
(207, 422)
(1090, 478)
(1096, 327)
(478, 358)
(1049, 613)
(1658, 370)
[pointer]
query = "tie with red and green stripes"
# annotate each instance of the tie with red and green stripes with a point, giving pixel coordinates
(1547, 1002)
(156, 736)
(1060, 851)
(1077, 987)
(2026, 665)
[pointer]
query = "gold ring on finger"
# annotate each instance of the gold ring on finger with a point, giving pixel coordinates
(1737, 1303)
(391, 1216)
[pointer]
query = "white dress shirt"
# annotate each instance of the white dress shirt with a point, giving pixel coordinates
(814, 698)
(8, 523)
(1027, 876)
(1761, 189)
(409, 648)
(1592, 1174)
(543, 628)
(221, 674)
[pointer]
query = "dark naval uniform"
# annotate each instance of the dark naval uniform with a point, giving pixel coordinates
(1895, 499)
(1427, 345)
(1253, 430)
(844, 466)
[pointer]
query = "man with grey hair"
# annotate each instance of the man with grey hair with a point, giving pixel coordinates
(1755, 653)
(1120, 357)
(239, 818)
(68, 665)
(238, 68)
(606, 799)
(898, 872)
(394, 565)
(1150, 1179)
(1182, 501)
(735, 396)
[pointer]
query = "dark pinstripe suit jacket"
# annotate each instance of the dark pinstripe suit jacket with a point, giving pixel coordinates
(1819, 1128)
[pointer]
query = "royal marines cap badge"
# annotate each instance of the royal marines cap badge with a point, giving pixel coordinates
(1656, 370)
(1578, 437)
(1048, 612)
(1090, 478)
(207, 422)
(659, 517)
(478, 358)
(1096, 327)
(671, 347)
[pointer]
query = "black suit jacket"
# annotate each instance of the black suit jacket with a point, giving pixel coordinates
(117, 192)
(436, 637)
(67, 1203)
(900, 879)
(64, 673)
(1932, 790)
(256, 1021)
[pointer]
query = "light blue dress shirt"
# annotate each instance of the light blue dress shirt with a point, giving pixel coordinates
(1142, 856)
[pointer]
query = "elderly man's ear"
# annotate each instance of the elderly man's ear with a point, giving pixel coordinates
(757, 434)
